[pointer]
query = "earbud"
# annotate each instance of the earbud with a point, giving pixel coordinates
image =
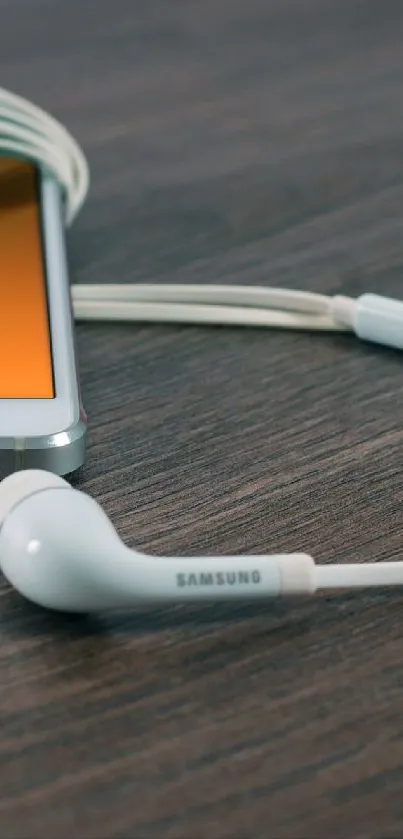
(59, 550)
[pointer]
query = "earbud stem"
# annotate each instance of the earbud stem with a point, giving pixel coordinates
(136, 577)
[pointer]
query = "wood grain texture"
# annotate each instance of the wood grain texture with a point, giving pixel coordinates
(254, 142)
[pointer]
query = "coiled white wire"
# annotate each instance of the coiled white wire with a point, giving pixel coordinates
(206, 304)
(29, 131)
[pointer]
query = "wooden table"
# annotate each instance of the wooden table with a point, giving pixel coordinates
(255, 142)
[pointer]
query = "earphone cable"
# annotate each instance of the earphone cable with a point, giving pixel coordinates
(29, 131)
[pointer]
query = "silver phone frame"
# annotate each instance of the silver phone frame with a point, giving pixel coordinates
(49, 433)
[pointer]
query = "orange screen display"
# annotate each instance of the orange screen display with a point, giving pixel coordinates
(25, 347)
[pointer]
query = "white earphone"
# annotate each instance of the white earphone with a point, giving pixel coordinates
(57, 547)
(59, 550)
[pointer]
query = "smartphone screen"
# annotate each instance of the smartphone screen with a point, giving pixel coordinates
(26, 369)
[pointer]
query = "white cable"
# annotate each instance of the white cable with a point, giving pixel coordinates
(359, 575)
(255, 296)
(200, 314)
(28, 131)
(241, 305)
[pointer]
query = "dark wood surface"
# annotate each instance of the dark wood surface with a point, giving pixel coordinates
(255, 142)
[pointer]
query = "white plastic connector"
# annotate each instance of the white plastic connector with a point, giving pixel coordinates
(372, 317)
(297, 574)
(379, 319)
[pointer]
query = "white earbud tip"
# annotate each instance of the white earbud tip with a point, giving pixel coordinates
(14, 488)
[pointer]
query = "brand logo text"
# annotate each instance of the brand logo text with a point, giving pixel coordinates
(219, 578)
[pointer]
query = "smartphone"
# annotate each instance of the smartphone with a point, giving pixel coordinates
(42, 420)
